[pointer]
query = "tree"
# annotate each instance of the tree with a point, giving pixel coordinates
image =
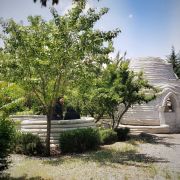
(118, 89)
(83, 91)
(174, 59)
(122, 88)
(44, 2)
(43, 56)
(7, 134)
(11, 98)
(111, 90)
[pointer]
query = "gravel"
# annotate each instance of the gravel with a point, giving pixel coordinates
(165, 148)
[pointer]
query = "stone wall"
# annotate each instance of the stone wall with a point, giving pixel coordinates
(37, 124)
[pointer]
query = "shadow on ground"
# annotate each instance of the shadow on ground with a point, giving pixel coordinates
(6, 176)
(111, 157)
(152, 139)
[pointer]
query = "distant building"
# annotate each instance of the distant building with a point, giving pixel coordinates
(161, 115)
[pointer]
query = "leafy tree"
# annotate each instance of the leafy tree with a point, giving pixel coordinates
(174, 59)
(122, 88)
(111, 90)
(11, 98)
(44, 2)
(43, 57)
(7, 134)
(83, 93)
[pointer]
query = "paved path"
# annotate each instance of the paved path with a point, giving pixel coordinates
(164, 147)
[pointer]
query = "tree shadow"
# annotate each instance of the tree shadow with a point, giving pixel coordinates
(57, 160)
(111, 157)
(6, 176)
(152, 139)
(131, 157)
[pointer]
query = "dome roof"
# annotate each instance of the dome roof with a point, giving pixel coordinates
(156, 70)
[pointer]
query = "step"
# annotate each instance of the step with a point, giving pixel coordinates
(147, 129)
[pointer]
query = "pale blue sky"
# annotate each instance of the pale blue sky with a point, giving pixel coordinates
(149, 27)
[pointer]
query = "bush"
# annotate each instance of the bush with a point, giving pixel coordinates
(7, 133)
(107, 136)
(79, 140)
(122, 133)
(28, 144)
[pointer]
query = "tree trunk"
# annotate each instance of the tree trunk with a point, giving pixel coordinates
(113, 121)
(120, 117)
(99, 117)
(49, 115)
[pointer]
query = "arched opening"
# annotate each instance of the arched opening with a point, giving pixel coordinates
(169, 106)
(169, 112)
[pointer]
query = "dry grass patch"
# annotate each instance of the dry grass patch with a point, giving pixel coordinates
(116, 161)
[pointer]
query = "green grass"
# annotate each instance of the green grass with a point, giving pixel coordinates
(116, 161)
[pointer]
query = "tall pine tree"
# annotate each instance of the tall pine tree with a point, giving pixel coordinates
(174, 59)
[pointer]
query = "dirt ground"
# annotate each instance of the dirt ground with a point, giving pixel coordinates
(142, 157)
(166, 148)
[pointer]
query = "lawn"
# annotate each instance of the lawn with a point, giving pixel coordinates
(121, 160)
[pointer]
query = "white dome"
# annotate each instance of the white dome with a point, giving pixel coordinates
(152, 117)
(156, 71)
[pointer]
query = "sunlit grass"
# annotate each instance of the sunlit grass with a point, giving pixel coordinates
(116, 161)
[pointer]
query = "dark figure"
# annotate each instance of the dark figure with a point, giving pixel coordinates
(58, 109)
(71, 114)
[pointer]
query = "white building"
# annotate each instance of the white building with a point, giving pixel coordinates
(161, 115)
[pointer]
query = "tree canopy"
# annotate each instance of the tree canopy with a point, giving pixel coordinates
(44, 2)
(174, 59)
(11, 98)
(111, 91)
(43, 56)
(122, 88)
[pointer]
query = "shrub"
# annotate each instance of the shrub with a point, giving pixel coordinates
(28, 144)
(79, 140)
(7, 132)
(122, 133)
(107, 136)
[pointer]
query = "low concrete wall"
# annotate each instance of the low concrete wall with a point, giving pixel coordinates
(163, 129)
(37, 124)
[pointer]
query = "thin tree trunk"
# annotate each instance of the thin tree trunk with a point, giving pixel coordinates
(120, 117)
(113, 120)
(99, 117)
(49, 115)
